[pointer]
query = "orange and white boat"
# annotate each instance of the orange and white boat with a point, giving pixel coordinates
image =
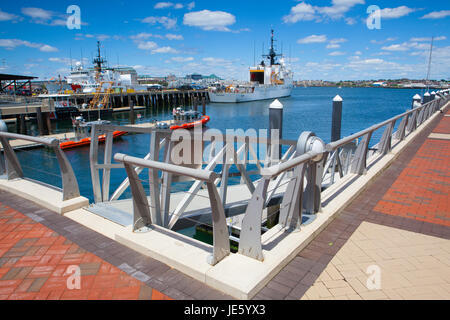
(87, 141)
(188, 119)
(82, 134)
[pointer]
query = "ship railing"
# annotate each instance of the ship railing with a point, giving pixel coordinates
(11, 168)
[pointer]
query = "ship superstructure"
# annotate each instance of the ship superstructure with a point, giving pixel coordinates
(269, 80)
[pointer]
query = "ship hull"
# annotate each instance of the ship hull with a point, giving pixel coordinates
(264, 93)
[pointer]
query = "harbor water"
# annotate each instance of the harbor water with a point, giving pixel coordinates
(308, 109)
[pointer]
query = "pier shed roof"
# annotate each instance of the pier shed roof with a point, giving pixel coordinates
(13, 77)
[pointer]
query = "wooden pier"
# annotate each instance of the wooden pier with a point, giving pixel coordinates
(165, 98)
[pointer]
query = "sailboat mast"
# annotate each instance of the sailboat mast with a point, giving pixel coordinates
(429, 65)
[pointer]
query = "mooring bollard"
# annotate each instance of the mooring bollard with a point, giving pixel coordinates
(433, 95)
(336, 123)
(426, 97)
(275, 123)
(417, 99)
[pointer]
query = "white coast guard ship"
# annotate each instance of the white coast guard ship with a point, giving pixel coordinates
(266, 82)
(88, 80)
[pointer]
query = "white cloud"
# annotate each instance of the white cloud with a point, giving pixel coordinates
(336, 53)
(210, 20)
(301, 12)
(145, 36)
(11, 44)
(163, 5)
(333, 46)
(216, 61)
(47, 17)
(350, 21)
(99, 37)
(168, 23)
(171, 36)
(141, 36)
(429, 39)
(147, 45)
(394, 13)
(182, 59)
(396, 47)
(407, 46)
(338, 40)
(37, 13)
(67, 61)
(313, 39)
(47, 48)
(164, 50)
(437, 14)
(4, 16)
(339, 8)
(306, 12)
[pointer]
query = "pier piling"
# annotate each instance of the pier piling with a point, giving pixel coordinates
(40, 121)
(48, 122)
(204, 106)
(23, 125)
(18, 123)
(195, 104)
(336, 119)
(132, 112)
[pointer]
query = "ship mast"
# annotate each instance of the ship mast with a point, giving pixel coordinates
(429, 65)
(272, 54)
(98, 62)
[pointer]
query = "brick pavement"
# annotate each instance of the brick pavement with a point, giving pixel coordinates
(37, 247)
(399, 223)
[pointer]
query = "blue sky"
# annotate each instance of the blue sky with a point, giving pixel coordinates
(325, 39)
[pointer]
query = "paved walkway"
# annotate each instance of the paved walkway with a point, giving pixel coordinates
(400, 224)
(37, 247)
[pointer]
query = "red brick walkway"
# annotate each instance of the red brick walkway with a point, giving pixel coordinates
(411, 197)
(422, 191)
(34, 261)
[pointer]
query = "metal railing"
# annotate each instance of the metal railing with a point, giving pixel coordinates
(13, 168)
(356, 161)
(292, 170)
(19, 100)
